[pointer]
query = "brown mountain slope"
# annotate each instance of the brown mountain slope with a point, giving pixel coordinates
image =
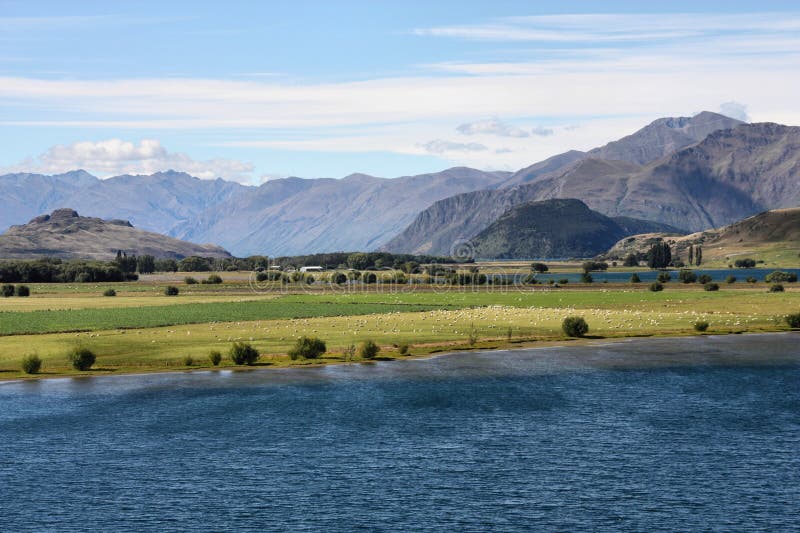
(67, 235)
(729, 175)
(770, 236)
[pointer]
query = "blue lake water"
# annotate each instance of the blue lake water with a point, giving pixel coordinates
(700, 433)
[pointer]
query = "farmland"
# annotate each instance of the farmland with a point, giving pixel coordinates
(142, 330)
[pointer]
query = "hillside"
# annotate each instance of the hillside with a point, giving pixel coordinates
(284, 216)
(772, 236)
(553, 228)
(729, 174)
(67, 235)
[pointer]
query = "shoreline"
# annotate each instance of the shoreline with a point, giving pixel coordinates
(436, 353)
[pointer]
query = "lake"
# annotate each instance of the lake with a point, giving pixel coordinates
(647, 276)
(684, 434)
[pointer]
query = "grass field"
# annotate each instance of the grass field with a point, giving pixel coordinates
(142, 330)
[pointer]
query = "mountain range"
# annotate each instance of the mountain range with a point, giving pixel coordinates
(691, 173)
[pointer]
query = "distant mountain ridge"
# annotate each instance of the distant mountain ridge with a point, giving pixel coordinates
(281, 217)
(67, 235)
(730, 174)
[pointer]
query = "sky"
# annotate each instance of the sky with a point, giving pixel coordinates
(253, 91)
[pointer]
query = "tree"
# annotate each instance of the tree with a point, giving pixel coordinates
(339, 278)
(664, 277)
(7, 290)
(368, 350)
(242, 353)
(704, 278)
(656, 287)
(701, 325)
(711, 287)
(81, 358)
(687, 276)
(781, 277)
(631, 260)
(691, 254)
(586, 278)
(744, 263)
(793, 320)
(146, 264)
(698, 256)
(215, 357)
(31, 364)
(659, 255)
(307, 347)
(358, 261)
(126, 264)
(635, 278)
(23, 291)
(171, 290)
(539, 267)
(194, 264)
(575, 326)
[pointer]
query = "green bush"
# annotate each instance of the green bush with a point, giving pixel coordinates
(188, 360)
(31, 364)
(307, 347)
(242, 353)
(339, 278)
(586, 278)
(402, 349)
(215, 357)
(751, 279)
(7, 291)
(656, 287)
(703, 279)
(635, 278)
(81, 358)
(369, 278)
(793, 320)
(189, 280)
(368, 350)
(781, 277)
(109, 292)
(701, 325)
(213, 279)
(711, 287)
(575, 326)
(744, 263)
(664, 277)
(777, 287)
(687, 276)
(562, 281)
(23, 291)
(171, 290)
(730, 279)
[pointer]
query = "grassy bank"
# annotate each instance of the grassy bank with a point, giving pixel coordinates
(152, 332)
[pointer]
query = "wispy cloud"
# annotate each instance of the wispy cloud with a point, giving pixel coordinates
(492, 126)
(114, 157)
(441, 146)
(542, 132)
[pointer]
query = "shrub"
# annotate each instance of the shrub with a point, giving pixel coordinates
(575, 326)
(687, 276)
(635, 278)
(81, 358)
(703, 279)
(777, 287)
(31, 364)
(586, 278)
(730, 279)
(109, 292)
(369, 278)
(751, 279)
(539, 267)
(7, 291)
(701, 325)
(339, 278)
(402, 349)
(368, 350)
(189, 280)
(23, 291)
(744, 263)
(215, 357)
(631, 260)
(562, 281)
(711, 287)
(781, 277)
(261, 276)
(793, 320)
(243, 353)
(188, 360)
(213, 279)
(171, 290)
(664, 277)
(656, 287)
(530, 279)
(307, 347)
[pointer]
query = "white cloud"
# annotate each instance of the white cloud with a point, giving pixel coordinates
(441, 146)
(539, 131)
(734, 110)
(113, 157)
(492, 126)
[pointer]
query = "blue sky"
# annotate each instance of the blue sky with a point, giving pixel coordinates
(252, 91)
